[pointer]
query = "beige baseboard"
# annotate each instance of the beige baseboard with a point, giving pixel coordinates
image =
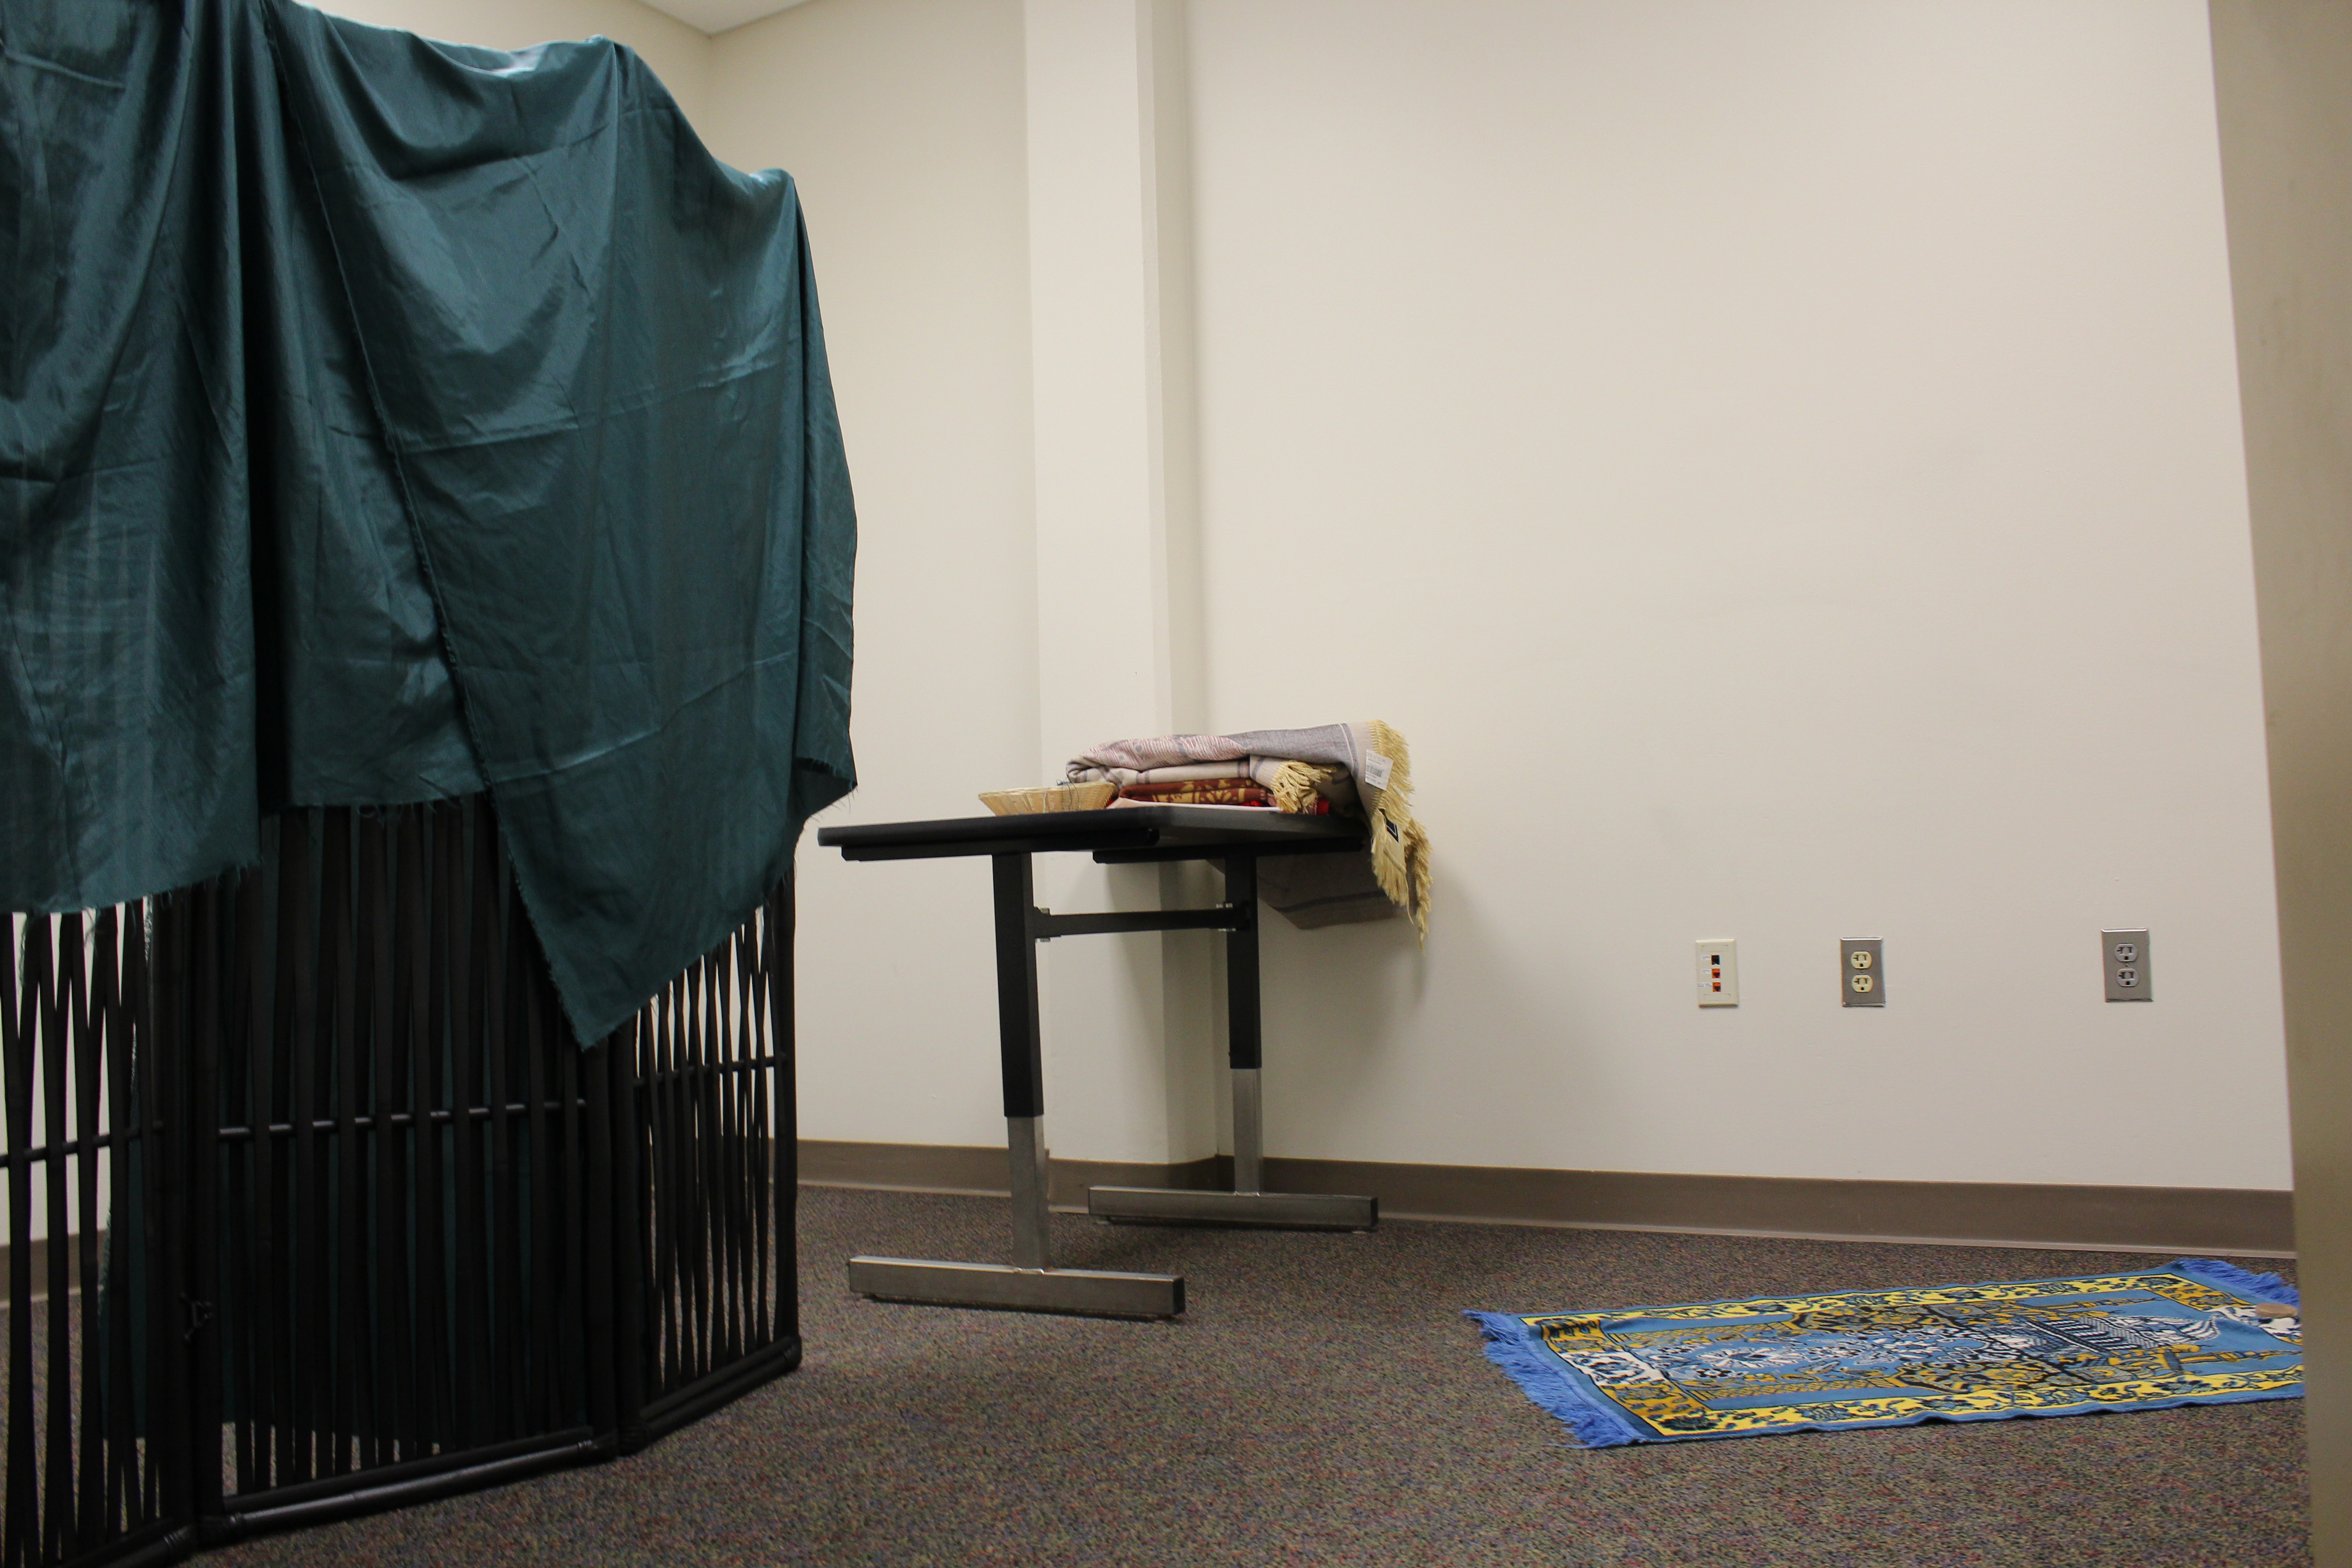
(2240, 1222)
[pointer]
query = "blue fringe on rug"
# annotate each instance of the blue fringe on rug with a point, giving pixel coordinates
(2213, 1272)
(1596, 1424)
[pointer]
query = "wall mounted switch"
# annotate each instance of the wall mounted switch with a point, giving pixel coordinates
(1719, 974)
(1861, 972)
(2124, 955)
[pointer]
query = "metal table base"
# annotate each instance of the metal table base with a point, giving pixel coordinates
(1030, 1282)
(1093, 1292)
(1266, 1211)
(1248, 1203)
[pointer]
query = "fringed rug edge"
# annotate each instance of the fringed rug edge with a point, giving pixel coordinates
(2213, 1272)
(1594, 1423)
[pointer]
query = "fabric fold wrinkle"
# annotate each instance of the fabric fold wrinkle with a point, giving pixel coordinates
(367, 553)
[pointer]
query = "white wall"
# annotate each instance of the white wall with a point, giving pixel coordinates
(901, 122)
(1779, 464)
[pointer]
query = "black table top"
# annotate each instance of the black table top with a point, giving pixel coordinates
(1127, 832)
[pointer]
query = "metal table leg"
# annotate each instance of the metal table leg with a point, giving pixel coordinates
(1030, 1282)
(1248, 1203)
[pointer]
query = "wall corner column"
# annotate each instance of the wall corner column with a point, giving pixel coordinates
(1120, 638)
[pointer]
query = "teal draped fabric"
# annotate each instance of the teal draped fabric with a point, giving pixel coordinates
(382, 420)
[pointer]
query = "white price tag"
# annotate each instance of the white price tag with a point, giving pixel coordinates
(1377, 768)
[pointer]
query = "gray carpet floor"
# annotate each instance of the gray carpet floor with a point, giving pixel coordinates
(1324, 1403)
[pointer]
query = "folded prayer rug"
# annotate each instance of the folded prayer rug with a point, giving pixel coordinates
(2196, 1332)
(1364, 767)
(1201, 792)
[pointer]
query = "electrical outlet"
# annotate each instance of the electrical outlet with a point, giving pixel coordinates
(1861, 972)
(1719, 974)
(2124, 955)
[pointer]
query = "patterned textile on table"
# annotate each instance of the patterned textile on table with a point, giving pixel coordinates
(2195, 1332)
(1243, 791)
(1355, 768)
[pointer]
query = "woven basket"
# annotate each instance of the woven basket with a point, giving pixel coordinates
(1049, 797)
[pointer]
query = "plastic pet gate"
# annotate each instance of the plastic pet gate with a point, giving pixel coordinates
(315, 1206)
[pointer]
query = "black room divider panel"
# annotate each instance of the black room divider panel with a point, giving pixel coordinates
(314, 1206)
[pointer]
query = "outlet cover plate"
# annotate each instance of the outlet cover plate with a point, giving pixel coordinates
(1861, 972)
(1719, 974)
(2123, 954)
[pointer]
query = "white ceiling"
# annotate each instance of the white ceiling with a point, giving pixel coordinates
(718, 16)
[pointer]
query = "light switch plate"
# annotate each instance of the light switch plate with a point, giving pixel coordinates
(1719, 974)
(2124, 955)
(1861, 972)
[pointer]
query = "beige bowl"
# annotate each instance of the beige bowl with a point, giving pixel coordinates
(1049, 797)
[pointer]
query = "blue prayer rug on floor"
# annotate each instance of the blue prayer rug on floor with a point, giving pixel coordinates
(2196, 1332)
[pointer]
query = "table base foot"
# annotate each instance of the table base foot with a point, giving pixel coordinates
(1280, 1211)
(1094, 1291)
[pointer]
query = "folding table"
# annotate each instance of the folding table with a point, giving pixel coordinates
(1240, 838)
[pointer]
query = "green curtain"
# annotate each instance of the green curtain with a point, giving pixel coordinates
(382, 420)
